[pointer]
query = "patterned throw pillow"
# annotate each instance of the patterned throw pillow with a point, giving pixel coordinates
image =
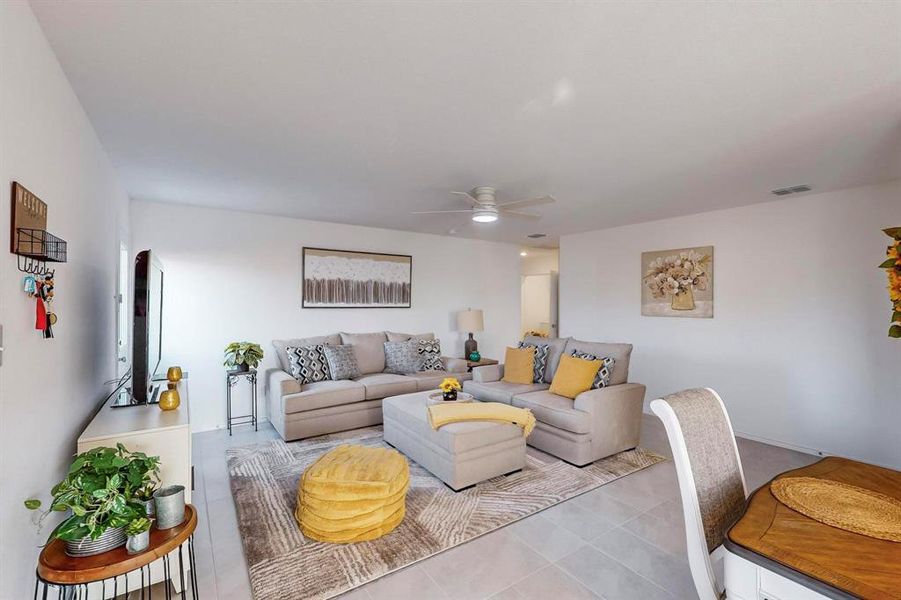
(342, 362)
(540, 364)
(308, 363)
(402, 358)
(603, 377)
(430, 354)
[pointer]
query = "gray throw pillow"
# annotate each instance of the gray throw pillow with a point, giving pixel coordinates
(402, 358)
(342, 362)
(308, 363)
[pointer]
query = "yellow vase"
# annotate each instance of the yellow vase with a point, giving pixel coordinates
(174, 374)
(684, 300)
(169, 399)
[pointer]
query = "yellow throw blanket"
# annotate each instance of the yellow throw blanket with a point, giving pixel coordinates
(457, 412)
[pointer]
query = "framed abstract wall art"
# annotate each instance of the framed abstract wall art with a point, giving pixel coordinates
(677, 283)
(348, 279)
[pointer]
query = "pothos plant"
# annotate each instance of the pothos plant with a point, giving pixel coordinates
(102, 489)
(243, 355)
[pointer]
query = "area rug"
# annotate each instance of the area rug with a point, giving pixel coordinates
(285, 564)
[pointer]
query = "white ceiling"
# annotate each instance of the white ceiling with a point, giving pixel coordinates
(360, 112)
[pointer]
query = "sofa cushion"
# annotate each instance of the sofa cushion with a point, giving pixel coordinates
(519, 365)
(555, 348)
(574, 375)
(620, 353)
(430, 380)
(430, 353)
(393, 336)
(602, 379)
(342, 362)
(369, 349)
(382, 385)
(308, 363)
(322, 394)
(282, 345)
(402, 358)
(499, 391)
(554, 410)
(539, 365)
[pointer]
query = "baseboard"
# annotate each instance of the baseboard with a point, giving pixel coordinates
(772, 442)
(781, 444)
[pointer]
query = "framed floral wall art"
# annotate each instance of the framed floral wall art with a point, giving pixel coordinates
(892, 266)
(677, 283)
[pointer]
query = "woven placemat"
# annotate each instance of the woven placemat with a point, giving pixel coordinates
(841, 505)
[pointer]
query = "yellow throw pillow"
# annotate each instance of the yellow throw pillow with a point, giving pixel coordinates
(519, 365)
(574, 376)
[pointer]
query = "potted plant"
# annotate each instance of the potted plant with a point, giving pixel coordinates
(449, 388)
(138, 532)
(243, 355)
(144, 479)
(99, 493)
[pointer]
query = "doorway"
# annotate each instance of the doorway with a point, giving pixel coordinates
(539, 273)
(122, 313)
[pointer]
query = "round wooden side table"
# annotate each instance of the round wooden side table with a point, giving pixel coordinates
(71, 576)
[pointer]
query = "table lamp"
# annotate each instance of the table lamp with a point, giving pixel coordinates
(470, 320)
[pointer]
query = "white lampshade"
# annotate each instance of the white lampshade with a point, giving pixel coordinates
(470, 320)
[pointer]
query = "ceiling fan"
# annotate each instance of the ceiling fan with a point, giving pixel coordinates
(485, 209)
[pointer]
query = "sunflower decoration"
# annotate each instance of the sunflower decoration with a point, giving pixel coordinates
(892, 265)
(449, 388)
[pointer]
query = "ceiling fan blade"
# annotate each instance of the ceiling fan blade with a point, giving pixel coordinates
(528, 202)
(468, 198)
(516, 213)
(438, 212)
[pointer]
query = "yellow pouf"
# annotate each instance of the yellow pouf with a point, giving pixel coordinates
(352, 494)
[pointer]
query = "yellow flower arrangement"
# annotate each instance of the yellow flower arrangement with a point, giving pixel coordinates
(892, 264)
(450, 383)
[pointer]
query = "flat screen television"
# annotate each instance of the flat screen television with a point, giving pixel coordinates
(147, 335)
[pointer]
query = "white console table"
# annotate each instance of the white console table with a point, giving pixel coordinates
(155, 432)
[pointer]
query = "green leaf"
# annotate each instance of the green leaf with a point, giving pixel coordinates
(78, 510)
(101, 493)
(888, 264)
(894, 331)
(32, 504)
(893, 232)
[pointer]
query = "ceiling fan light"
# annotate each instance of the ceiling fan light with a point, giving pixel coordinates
(484, 216)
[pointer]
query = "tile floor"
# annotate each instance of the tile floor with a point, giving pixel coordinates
(621, 541)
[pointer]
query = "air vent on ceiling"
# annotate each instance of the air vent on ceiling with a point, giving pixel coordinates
(795, 189)
(536, 236)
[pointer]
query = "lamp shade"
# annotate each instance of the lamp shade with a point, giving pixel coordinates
(470, 320)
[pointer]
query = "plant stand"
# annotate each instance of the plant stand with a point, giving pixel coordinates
(231, 380)
(99, 576)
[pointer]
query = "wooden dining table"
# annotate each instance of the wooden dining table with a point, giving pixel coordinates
(829, 561)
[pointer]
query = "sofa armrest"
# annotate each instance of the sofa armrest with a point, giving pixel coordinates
(454, 365)
(488, 373)
(612, 397)
(281, 383)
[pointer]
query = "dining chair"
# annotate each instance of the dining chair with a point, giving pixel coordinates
(711, 480)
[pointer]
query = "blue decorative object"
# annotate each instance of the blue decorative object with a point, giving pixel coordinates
(475, 356)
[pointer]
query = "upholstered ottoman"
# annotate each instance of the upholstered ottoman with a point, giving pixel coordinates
(459, 454)
(352, 494)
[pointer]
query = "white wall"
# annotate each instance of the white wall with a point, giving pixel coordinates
(540, 261)
(797, 346)
(236, 276)
(49, 388)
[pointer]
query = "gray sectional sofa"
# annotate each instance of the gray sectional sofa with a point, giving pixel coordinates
(300, 411)
(597, 423)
